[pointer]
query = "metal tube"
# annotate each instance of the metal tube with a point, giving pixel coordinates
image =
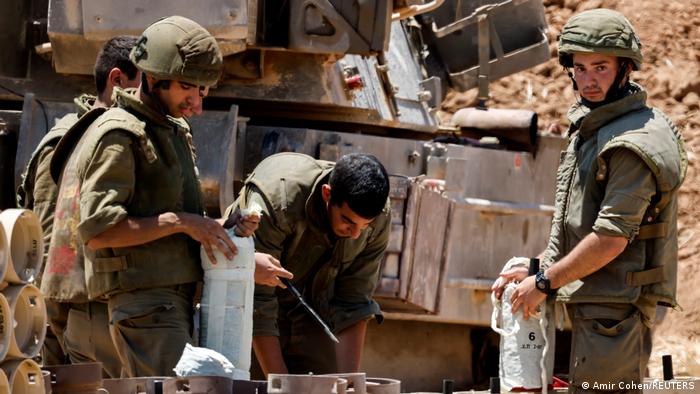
(414, 10)
(500, 207)
(517, 126)
(470, 284)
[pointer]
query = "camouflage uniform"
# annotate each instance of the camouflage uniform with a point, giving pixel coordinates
(618, 177)
(134, 161)
(337, 276)
(78, 329)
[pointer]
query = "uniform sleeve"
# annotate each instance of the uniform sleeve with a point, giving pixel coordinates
(628, 192)
(352, 300)
(107, 185)
(269, 238)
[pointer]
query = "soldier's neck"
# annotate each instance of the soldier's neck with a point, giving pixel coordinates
(152, 102)
(104, 99)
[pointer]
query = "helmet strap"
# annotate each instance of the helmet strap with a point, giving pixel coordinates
(144, 85)
(148, 91)
(571, 76)
(580, 100)
(619, 86)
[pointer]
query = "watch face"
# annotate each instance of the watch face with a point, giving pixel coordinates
(540, 285)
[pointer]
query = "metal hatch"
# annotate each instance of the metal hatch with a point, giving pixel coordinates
(511, 35)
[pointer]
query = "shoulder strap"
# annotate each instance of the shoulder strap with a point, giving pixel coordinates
(69, 140)
(101, 121)
(120, 119)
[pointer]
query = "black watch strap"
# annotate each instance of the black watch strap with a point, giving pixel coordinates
(543, 284)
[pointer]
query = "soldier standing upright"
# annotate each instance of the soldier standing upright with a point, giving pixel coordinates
(613, 250)
(140, 213)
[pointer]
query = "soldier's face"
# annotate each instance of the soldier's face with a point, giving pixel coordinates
(183, 100)
(343, 220)
(594, 74)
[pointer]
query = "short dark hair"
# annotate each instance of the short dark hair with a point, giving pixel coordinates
(115, 53)
(361, 181)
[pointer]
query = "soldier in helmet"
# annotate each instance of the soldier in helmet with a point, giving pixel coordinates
(139, 218)
(612, 253)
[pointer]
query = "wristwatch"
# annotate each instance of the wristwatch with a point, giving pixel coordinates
(542, 283)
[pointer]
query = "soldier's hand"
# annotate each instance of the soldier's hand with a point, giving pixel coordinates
(210, 234)
(527, 296)
(245, 225)
(517, 274)
(268, 270)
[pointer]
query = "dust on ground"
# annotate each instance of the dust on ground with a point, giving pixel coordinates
(670, 35)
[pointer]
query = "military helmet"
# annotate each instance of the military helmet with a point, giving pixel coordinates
(599, 31)
(177, 48)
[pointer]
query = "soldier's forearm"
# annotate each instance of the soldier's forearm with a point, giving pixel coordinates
(137, 231)
(590, 255)
(348, 352)
(269, 354)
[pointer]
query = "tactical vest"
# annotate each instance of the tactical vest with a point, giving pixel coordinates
(63, 278)
(648, 265)
(165, 181)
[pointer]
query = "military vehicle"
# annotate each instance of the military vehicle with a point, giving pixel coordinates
(328, 77)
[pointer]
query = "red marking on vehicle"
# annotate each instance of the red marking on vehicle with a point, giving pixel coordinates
(354, 82)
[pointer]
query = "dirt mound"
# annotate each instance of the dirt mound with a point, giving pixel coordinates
(670, 34)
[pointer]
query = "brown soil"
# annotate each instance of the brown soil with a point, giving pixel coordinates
(670, 34)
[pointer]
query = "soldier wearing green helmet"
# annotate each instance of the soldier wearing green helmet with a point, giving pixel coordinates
(613, 250)
(140, 219)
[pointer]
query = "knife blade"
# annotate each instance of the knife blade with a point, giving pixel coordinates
(308, 308)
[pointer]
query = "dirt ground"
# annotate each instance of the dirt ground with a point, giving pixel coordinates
(670, 35)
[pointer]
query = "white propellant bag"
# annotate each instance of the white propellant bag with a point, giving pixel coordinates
(527, 346)
(199, 361)
(226, 320)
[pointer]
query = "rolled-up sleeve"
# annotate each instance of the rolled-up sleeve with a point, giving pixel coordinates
(629, 190)
(352, 299)
(107, 185)
(269, 238)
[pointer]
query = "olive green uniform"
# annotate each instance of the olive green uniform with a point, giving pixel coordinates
(336, 275)
(618, 177)
(135, 162)
(78, 329)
